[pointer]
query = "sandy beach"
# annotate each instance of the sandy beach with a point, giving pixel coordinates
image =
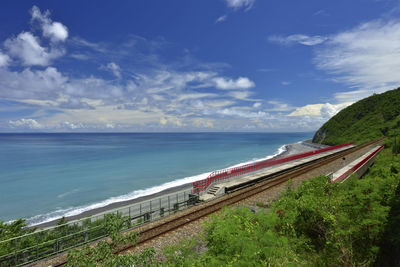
(291, 149)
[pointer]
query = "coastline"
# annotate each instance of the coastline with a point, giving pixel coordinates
(290, 149)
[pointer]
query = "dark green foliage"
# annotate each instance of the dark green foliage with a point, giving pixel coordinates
(183, 254)
(389, 254)
(31, 245)
(14, 229)
(103, 253)
(370, 118)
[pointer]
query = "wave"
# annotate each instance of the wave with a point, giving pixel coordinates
(72, 211)
(280, 151)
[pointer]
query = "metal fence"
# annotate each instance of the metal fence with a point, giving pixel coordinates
(222, 175)
(47, 242)
(357, 166)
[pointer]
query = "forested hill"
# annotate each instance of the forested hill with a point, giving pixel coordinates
(367, 119)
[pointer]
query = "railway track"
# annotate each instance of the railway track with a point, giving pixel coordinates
(205, 209)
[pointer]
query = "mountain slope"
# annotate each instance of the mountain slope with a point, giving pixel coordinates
(367, 119)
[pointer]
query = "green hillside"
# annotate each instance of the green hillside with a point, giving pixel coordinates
(367, 119)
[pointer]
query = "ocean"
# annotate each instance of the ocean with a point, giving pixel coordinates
(44, 176)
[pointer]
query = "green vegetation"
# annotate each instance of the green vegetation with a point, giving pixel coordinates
(318, 224)
(31, 245)
(103, 254)
(370, 118)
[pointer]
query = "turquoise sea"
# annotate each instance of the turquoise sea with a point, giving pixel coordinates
(44, 176)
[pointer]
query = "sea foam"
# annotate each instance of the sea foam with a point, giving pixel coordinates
(72, 211)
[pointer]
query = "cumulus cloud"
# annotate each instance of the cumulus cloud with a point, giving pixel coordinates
(27, 47)
(56, 31)
(298, 38)
(4, 60)
(366, 57)
(308, 110)
(324, 111)
(31, 84)
(239, 4)
(229, 84)
(25, 124)
(71, 125)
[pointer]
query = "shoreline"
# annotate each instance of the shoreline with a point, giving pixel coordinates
(290, 149)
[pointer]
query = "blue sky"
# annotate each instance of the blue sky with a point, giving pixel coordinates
(210, 65)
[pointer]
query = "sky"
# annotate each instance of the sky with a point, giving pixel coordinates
(191, 65)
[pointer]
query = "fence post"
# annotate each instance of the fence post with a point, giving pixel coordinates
(169, 206)
(37, 246)
(150, 213)
(160, 207)
(15, 252)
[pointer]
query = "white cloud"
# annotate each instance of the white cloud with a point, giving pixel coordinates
(235, 112)
(238, 4)
(79, 56)
(25, 124)
(70, 125)
(257, 105)
(182, 97)
(94, 88)
(31, 84)
(242, 95)
(221, 18)
(286, 83)
(4, 60)
(116, 70)
(353, 96)
(279, 106)
(366, 57)
(203, 123)
(229, 84)
(298, 38)
(324, 111)
(80, 42)
(27, 48)
(56, 31)
(308, 110)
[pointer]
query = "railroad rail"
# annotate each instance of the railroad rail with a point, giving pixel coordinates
(225, 174)
(200, 211)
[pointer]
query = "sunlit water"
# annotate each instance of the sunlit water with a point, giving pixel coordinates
(46, 176)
